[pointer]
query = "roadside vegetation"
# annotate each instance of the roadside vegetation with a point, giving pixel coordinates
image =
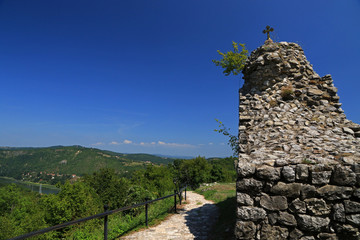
(22, 211)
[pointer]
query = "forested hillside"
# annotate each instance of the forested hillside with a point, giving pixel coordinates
(22, 211)
(55, 163)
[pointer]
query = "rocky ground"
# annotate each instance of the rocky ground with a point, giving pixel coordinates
(194, 221)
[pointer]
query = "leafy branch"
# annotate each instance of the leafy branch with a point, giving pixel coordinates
(233, 140)
(233, 61)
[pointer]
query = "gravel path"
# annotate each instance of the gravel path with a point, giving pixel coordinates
(192, 222)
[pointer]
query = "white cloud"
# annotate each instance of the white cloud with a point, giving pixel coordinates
(97, 144)
(127, 141)
(211, 143)
(176, 144)
(158, 143)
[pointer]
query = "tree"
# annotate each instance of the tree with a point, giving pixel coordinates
(74, 201)
(233, 61)
(161, 178)
(20, 212)
(111, 189)
(195, 171)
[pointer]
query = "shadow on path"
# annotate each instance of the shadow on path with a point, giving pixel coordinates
(225, 227)
(201, 220)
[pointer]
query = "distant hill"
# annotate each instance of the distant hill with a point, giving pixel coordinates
(14, 162)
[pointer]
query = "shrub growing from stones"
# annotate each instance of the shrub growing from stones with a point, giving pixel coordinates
(287, 92)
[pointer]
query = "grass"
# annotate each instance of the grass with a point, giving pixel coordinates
(224, 195)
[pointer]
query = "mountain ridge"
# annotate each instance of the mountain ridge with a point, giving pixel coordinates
(76, 160)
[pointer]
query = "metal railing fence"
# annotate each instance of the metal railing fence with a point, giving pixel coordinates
(105, 215)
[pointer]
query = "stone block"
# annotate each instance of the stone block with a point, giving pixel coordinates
(332, 192)
(297, 206)
(353, 219)
(245, 230)
(356, 168)
(313, 224)
(327, 236)
(307, 238)
(308, 191)
(352, 207)
(268, 173)
(245, 169)
(295, 234)
(272, 217)
(245, 118)
(332, 90)
(280, 163)
(346, 231)
(251, 213)
(286, 219)
(315, 92)
(317, 206)
(358, 179)
(273, 232)
(320, 178)
(249, 185)
(287, 190)
(357, 193)
(348, 130)
(302, 172)
(273, 203)
(338, 213)
(244, 199)
(288, 173)
(343, 176)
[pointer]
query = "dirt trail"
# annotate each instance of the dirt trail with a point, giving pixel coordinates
(192, 222)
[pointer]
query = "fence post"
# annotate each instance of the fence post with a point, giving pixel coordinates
(146, 214)
(106, 207)
(185, 191)
(180, 196)
(175, 201)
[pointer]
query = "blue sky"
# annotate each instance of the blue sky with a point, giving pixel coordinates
(136, 76)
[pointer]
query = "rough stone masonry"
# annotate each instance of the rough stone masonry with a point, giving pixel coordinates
(298, 169)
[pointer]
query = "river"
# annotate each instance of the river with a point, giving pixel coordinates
(35, 187)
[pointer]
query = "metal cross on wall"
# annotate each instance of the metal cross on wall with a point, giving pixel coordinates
(268, 30)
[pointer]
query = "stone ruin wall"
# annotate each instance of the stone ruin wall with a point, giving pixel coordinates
(299, 161)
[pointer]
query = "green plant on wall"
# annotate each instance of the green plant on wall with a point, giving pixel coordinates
(233, 61)
(287, 92)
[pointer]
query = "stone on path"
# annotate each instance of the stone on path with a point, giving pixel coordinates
(195, 221)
